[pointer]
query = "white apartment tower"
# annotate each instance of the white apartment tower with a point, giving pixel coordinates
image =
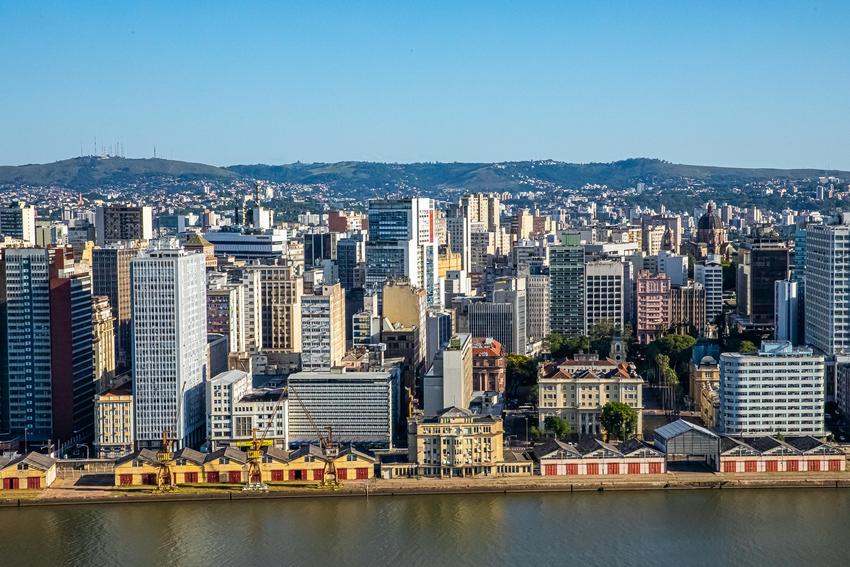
(169, 336)
(710, 275)
(323, 328)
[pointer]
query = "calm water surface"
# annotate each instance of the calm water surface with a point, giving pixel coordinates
(703, 527)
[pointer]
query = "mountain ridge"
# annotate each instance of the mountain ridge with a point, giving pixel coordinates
(89, 172)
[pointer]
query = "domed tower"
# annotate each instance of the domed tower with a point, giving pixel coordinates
(710, 231)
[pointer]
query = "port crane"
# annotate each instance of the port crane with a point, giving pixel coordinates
(330, 448)
(254, 450)
(166, 480)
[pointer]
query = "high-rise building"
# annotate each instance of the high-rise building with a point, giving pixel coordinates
(779, 390)
(538, 306)
(566, 286)
(448, 383)
(709, 273)
(169, 345)
(281, 290)
(762, 261)
(323, 328)
(350, 256)
(603, 294)
(652, 306)
(459, 233)
(787, 313)
(226, 310)
(111, 277)
(103, 342)
(405, 308)
(46, 360)
(18, 221)
(828, 287)
(483, 208)
(505, 318)
(122, 223)
(403, 243)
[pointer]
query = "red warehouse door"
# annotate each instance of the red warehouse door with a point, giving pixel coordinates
(730, 466)
(613, 468)
(592, 468)
(634, 468)
(33, 482)
(572, 468)
(234, 477)
(550, 470)
(126, 479)
(213, 477)
(362, 473)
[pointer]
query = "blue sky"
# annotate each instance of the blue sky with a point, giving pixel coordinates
(721, 83)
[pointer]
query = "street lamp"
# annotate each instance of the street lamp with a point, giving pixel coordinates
(86, 447)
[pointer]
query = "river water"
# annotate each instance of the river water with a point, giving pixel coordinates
(696, 527)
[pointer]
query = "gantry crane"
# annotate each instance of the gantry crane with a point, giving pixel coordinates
(166, 480)
(330, 449)
(255, 452)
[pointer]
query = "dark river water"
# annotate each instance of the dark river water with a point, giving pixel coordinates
(700, 527)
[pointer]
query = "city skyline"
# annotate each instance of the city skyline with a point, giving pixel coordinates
(730, 85)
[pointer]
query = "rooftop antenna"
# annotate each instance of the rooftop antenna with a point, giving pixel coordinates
(154, 152)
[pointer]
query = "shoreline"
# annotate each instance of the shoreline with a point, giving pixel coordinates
(421, 487)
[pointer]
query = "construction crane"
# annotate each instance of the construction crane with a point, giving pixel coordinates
(165, 478)
(255, 452)
(330, 449)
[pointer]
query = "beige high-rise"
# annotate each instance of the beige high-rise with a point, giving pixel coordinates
(323, 328)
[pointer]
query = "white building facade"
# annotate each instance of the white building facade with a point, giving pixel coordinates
(778, 390)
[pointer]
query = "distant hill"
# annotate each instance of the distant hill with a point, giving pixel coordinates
(356, 179)
(512, 176)
(88, 172)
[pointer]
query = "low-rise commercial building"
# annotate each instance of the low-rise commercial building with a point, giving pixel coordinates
(32, 471)
(113, 423)
(771, 455)
(235, 411)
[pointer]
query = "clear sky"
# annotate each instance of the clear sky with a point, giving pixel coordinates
(719, 83)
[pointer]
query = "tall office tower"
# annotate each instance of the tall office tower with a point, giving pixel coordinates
(485, 208)
(18, 221)
(46, 358)
(350, 255)
(652, 306)
(72, 357)
(403, 243)
(538, 306)
(522, 224)
(226, 310)
(709, 273)
(603, 294)
(318, 246)
(460, 234)
(405, 307)
(448, 383)
(121, 223)
(111, 277)
(252, 302)
(25, 382)
(787, 313)
(828, 287)
(566, 286)
(779, 390)
(652, 238)
(762, 261)
(281, 289)
(482, 245)
(103, 343)
(323, 328)
(169, 345)
(505, 318)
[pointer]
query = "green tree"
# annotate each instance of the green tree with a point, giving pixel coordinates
(668, 380)
(521, 371)
(600, 337)
(534, 433)
(747, 346)
(558, 425)
(619, 420)
(561, 346)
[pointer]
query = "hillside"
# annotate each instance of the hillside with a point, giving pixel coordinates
(356, 179)
(88, 172)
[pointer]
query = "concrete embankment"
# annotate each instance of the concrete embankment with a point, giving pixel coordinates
(402, 487)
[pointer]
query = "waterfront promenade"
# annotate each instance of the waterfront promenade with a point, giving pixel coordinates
(87, 490)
